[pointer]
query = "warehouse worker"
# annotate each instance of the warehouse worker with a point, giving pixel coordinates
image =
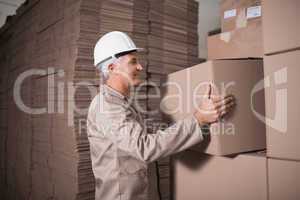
(119, 144)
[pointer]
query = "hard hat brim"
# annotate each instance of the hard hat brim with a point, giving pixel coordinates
(140, 49)
(129, 51)
(123, 53)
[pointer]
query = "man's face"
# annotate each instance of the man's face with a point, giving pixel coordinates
(129, 68)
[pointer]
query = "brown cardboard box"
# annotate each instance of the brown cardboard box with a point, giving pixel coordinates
(239, 13)
(240, 131)
(281, 28)
(283, 179)
(199, 176)
(282, 105)
(240, 43)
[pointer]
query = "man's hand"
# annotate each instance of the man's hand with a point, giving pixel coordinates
(213, 107)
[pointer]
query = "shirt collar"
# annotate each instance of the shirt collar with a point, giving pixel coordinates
(112, 92)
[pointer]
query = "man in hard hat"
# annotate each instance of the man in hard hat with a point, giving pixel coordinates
(119, 144)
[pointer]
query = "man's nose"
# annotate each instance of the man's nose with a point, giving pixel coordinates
(139, 67)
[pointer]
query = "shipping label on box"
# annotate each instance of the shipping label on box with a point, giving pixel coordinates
(239, 14)
(229, 13)
(253, 12)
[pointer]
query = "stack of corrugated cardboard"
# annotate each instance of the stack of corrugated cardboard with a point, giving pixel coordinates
(173, 45)
(173, 40)
(18, 52)
(130, 17)
(46, 154)
(173, 37)
(3, 111)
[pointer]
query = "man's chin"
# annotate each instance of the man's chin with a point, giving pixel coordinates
(137, 82)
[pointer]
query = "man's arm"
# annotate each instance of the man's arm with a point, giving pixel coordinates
(130, 137)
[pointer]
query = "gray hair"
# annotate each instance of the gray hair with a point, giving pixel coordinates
(103, 68)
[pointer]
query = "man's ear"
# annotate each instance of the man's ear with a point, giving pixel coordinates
(111, 67)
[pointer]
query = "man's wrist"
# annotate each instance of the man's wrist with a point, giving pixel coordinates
(198, 118)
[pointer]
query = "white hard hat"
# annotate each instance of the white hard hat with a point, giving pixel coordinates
(112, 44)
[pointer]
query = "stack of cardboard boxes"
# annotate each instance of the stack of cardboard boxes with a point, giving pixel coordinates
(233, 68)
(231, 72)
(281, 64)
(265, 115)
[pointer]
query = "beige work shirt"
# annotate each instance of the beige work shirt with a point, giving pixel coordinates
(121, 148)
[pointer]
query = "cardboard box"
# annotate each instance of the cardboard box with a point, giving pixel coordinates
(241, 43)
(283, 179)
(240, 131)
(282, 109)
(281, 28)
(237, 14)
(199, 176)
